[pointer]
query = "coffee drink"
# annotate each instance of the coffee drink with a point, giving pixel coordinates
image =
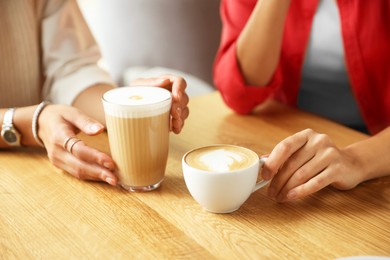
(221, 158)
(137, 121)
(141, 154)
(222, 177)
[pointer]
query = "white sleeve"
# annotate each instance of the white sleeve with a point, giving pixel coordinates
(70, 55)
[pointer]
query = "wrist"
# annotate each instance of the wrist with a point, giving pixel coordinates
(359, 160)
(22, 121)
(371, 155)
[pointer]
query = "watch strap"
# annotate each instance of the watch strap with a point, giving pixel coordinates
(8, 117)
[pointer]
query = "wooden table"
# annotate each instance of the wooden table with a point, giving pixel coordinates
(45, 213)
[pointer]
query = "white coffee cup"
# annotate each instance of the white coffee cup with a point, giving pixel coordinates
(222, 177)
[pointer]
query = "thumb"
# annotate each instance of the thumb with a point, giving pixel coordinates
(85, 123)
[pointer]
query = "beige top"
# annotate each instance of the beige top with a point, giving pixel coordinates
(47, 52)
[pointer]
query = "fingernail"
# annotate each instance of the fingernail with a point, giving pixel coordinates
(110, 181)
(95, 127)
(266, 175)
(292, 194)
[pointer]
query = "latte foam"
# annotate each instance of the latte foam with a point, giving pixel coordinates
(221, 158)
(136, 101)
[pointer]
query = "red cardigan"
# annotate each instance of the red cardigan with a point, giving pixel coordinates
(366, 35)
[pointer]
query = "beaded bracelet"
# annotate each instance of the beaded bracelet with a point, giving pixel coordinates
(35, 125)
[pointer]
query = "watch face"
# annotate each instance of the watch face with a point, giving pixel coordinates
(10, 136)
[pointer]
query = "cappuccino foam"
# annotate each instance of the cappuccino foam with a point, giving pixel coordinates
(221, 158)
(136, 102)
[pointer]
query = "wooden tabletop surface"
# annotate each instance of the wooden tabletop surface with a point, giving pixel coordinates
(47, 214)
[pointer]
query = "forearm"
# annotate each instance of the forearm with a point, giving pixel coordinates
(90, 101)
(373, 155)
(259, 44)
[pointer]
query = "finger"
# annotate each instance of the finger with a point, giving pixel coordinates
(315, 184)
(182, 106)
(64, 137)
(90, 155)
(302, 175)
(178, 92)
(289, 168)
(177, 84)
(83, 170)
(177, 123)
(179, 110)
(85, 163)
(283, 151)
(185, 113)
(176, 111)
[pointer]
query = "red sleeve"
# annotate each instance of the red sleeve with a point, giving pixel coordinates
(227, 74)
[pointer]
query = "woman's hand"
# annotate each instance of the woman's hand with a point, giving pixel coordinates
(177, 86)
(307, 162)
(57, 125)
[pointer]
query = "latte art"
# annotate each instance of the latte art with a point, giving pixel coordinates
(221, 158)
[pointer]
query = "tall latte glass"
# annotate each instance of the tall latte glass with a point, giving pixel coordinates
(137, 121)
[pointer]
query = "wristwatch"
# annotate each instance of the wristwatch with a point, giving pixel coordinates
(9, 133)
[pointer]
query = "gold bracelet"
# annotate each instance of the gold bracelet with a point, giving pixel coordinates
(35, 125)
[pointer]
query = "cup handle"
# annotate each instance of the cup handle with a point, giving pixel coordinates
(261, 183)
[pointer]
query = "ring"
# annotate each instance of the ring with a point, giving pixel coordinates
(75, 142)
(67, 141)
